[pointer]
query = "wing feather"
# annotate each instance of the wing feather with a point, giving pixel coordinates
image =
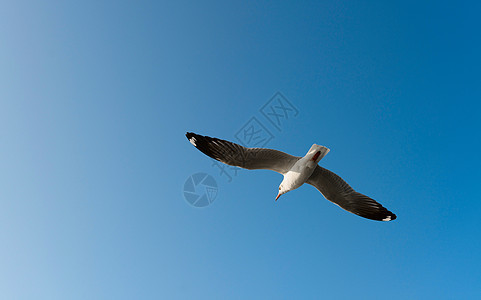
(236, 155)
(336, 190)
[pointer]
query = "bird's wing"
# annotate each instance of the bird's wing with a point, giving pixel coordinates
(339, 192)
(239, 156)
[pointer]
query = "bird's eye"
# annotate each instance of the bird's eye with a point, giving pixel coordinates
(279, 188)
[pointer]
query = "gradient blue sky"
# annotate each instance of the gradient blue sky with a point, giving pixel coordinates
(95, 99)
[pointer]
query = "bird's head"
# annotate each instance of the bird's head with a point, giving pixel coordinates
(282, 191)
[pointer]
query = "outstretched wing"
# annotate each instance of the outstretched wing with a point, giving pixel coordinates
(239, 156)
(339, 192)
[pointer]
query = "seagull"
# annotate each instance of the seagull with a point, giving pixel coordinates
(296, 171)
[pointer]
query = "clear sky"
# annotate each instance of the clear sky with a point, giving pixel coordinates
(95, 100)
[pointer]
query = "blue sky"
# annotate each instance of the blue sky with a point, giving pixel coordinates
(95, 99)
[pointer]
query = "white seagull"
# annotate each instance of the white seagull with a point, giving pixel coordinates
(296, 171)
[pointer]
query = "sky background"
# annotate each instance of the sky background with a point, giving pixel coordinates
(95, 100)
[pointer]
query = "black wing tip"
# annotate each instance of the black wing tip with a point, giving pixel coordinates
(389, 217)
(193, 138)
(189, 135)
(385, 217)
(202, 143)
(382, 215)
(368, 208)
(378, 217)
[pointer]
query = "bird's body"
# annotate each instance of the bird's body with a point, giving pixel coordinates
(296, 171)
(300, 172)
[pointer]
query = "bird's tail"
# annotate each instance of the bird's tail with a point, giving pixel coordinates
(318, 152)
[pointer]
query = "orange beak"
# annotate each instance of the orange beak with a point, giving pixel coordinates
(278, 195)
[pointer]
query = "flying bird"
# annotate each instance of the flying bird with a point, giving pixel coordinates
(296, 171)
